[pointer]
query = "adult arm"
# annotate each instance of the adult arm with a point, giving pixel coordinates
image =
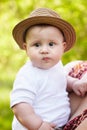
(76, 85)
(79, 86)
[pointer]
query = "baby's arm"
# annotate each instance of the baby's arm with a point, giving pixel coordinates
(27, 117)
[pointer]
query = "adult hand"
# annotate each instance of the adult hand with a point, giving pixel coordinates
(80, 87)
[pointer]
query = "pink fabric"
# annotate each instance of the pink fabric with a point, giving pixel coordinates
(73, 124)
(79, 70)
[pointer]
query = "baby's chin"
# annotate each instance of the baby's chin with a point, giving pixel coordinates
(44, 67)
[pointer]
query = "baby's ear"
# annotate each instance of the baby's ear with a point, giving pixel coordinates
(64, 45)
(24, 46)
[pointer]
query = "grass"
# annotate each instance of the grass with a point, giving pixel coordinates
(6, 114)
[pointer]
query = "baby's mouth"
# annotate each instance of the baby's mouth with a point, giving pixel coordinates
(46, 59)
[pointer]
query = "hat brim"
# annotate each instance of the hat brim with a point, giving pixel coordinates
(65, 27)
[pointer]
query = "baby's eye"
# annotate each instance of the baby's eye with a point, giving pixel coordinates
(51, 44)
(37, 44)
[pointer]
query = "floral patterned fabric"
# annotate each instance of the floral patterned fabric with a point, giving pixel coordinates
(71, 125)
(79, 70)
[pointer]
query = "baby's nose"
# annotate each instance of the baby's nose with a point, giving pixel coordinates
(44, 50)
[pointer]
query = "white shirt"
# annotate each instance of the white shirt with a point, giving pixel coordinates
(45, 90)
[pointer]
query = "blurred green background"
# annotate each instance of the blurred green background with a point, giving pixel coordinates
(12, 58)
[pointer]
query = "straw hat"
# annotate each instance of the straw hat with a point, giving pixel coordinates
(44, 16)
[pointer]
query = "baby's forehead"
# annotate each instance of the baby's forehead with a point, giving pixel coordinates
(41, 27)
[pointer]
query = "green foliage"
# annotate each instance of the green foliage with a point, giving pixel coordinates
(6, 114)
(12, 58)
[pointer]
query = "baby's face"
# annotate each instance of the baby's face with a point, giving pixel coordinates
(44, 46)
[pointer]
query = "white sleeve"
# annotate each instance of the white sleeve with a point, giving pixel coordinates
(24, 90)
